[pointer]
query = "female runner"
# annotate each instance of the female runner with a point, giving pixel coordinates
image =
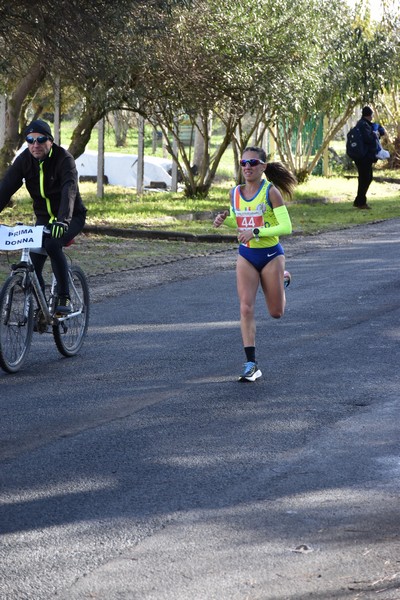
(258, 213)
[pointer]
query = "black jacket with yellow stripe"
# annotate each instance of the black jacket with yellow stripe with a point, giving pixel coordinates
(52, 184)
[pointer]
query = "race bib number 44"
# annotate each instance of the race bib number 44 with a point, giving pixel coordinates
(248, 219)
(20, 236)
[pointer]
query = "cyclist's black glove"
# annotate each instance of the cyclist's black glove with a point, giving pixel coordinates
(58, 229)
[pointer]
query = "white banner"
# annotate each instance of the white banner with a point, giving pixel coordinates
(20, 236)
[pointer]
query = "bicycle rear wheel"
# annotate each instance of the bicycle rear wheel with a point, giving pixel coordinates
(16, 323)
(70, 333)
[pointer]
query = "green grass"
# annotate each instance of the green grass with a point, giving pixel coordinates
(320, 204)
(324, 204)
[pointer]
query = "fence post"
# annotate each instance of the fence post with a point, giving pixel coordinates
(3, 109)
(100, 159)
(140, 160)
(57, 111)
(154, 141)
(174, 174)
(325, 159)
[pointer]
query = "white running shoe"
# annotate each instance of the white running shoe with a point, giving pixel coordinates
(251, 372)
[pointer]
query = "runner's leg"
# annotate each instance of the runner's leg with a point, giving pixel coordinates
(273, 287)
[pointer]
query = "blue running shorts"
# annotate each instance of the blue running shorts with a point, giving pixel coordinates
(260, 257)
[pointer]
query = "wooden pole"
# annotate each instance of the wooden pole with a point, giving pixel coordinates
(174, 183)
(57, 111)
(3, 109)
(325, 159)
(100, 159)
(140, 161)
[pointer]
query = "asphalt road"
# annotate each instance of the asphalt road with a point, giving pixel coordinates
(142, 470)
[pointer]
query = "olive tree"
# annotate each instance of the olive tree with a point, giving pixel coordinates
(351, 63)
(255, 66)
(96, 47)
(219, 58)
(387, 104)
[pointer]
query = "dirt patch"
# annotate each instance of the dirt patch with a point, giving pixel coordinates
(117, 265)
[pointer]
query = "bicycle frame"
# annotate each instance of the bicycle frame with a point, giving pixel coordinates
(19, 319)
(26, 266)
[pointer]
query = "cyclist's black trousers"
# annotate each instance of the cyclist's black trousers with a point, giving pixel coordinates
(54, 248)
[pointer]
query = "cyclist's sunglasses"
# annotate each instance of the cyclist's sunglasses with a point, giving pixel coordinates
(41, 139)
(252, 162)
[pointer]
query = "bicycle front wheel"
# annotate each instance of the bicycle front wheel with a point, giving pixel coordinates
(69, 334)
(16, 323)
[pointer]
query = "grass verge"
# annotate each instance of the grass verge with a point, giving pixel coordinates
(321, 204)
(318, 205)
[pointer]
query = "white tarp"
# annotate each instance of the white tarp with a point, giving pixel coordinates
(121, 169)
(20, 236)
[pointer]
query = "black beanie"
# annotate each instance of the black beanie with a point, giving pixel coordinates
(39, 126)
(367, 111)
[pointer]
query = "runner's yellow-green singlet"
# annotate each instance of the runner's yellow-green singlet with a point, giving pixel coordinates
(256, 212)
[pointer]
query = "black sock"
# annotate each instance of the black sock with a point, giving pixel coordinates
(250, 353)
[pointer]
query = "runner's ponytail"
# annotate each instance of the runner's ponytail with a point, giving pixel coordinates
(281, 177)
(276, 172)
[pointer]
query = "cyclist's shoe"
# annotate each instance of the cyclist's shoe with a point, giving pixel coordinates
(287, 278)
(39, 321)
(36, 319)
(63, 305)
(251, 372)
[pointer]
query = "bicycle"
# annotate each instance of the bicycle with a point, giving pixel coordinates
(24, 309)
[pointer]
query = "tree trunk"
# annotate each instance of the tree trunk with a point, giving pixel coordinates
(28, 85)
(201, 186)
(83, 130)
(121, 127)
(199, 147)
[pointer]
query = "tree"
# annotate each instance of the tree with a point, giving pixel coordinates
(261, 65)
(221, 59)
(250, 65)
(387, 104)
(353, 62)
(94, 46)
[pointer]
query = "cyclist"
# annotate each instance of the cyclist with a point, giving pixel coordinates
(258, 213)
(51, 178)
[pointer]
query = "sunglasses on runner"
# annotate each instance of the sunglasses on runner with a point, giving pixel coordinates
(252, 162)
(41, 139)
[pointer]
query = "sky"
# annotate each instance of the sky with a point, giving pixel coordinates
(375, 6)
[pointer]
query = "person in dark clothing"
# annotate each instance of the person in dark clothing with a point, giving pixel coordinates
(364, 165)
(50, 176)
